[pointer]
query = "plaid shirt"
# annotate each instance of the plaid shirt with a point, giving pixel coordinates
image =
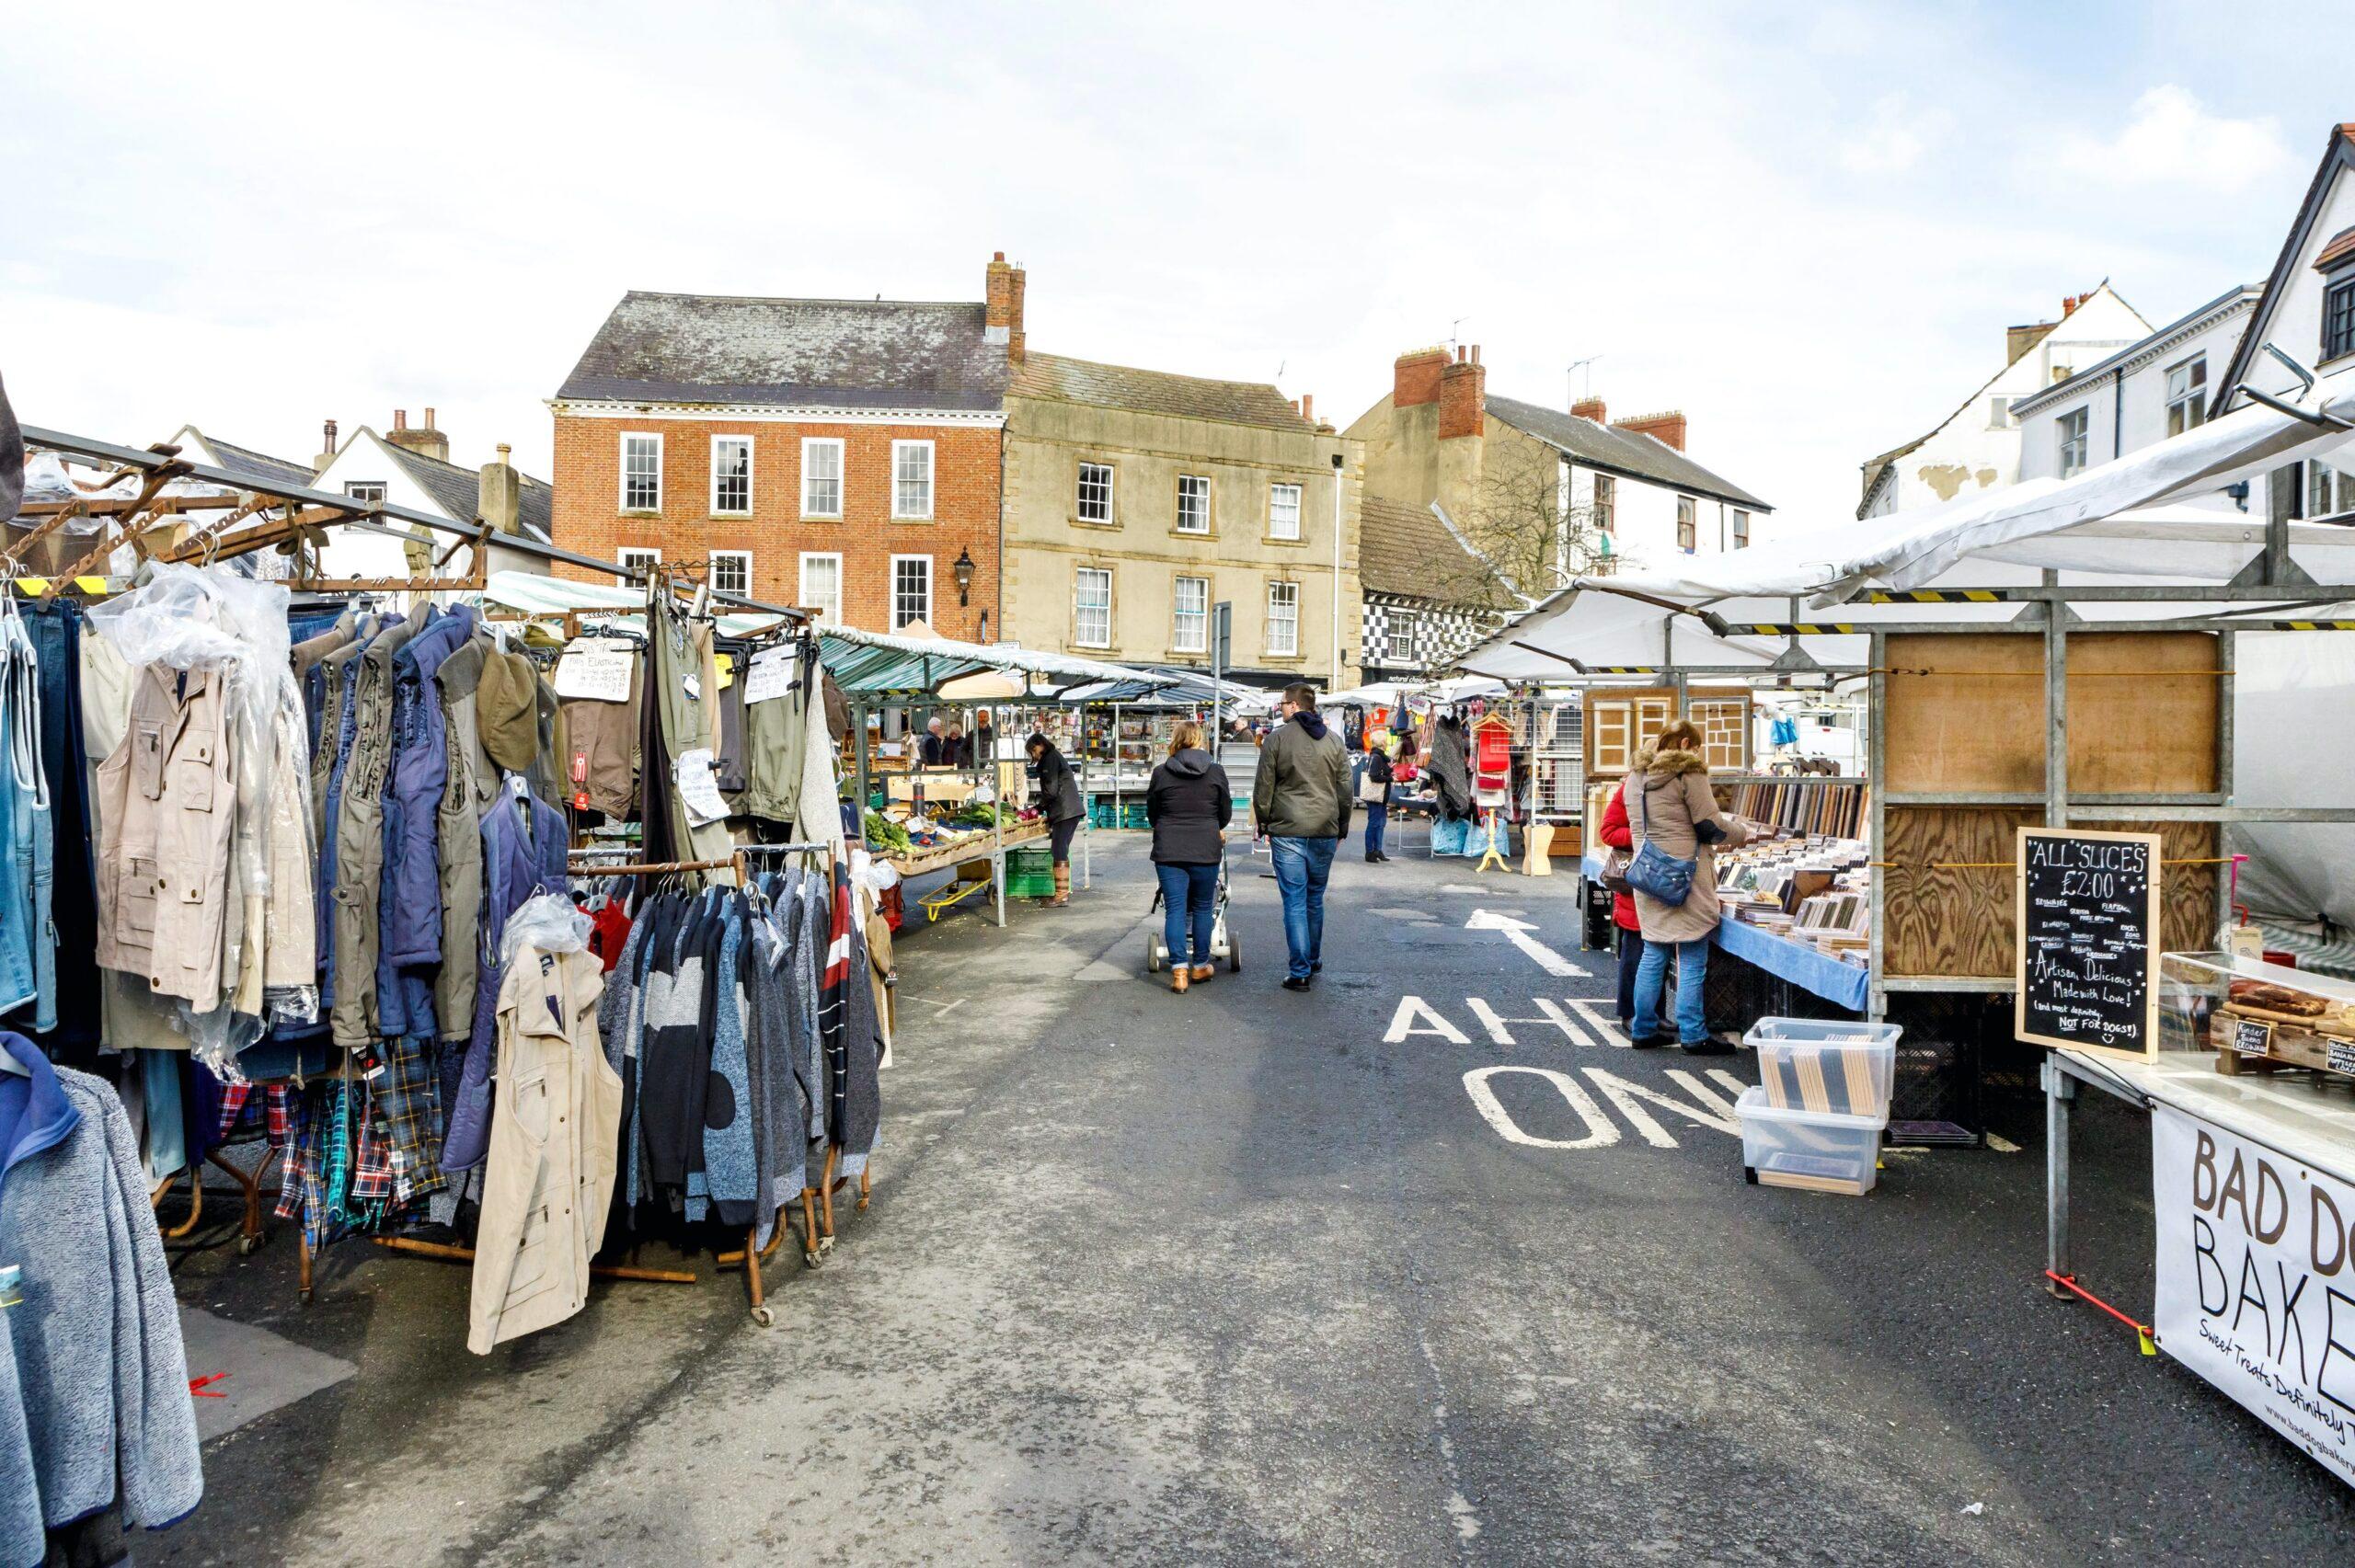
(236, 1097)
(405, 1116)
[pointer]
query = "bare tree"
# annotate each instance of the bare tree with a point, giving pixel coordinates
(1524, 539)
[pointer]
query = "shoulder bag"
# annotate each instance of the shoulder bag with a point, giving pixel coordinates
(1654, 872)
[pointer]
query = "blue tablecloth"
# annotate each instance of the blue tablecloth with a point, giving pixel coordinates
(1844, 984)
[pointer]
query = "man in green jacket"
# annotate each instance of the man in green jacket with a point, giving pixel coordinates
(1300, 801)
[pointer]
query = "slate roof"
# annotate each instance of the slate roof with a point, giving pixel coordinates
(1626, 452)
(260, 467)
(1055, 379)
(458, 491)
(1403, 550)
(878, 354)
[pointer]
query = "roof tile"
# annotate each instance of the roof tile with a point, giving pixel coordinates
(875, 354)
(1053, 378)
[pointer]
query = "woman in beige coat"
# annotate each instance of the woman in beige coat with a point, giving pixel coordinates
(1670, 803)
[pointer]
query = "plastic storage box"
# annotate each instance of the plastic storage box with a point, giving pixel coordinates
(1029, 872)
(1820, 1151)
(1815, 1064)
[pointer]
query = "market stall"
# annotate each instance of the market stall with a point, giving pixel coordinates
(423, 803)
(2039, 597)
(907, 675)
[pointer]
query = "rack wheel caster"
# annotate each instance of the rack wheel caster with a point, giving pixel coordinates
(1750, 1175)
(305, 1296)
(248, 1245)
(763, 1317)
(1152, 957)
(825, 1246)
(815, 1260)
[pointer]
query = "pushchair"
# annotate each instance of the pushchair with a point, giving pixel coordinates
(1222, 944)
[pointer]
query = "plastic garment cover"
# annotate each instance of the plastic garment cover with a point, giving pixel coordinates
(192, 618)
(549, 921)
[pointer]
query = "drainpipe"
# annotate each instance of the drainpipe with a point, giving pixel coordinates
(2117, 415)
(1336, 571)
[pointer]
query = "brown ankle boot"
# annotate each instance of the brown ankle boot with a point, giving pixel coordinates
(1177, 979)
(1063, 888)
(1202, 972)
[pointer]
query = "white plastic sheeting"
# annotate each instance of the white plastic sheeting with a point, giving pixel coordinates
(1390, 693)
(2153, 511)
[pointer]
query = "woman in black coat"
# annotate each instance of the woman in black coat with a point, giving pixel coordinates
(1059, 801)
(1188, 804)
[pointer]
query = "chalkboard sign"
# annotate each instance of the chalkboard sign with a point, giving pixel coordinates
(2253, 1037)
(2088, 940)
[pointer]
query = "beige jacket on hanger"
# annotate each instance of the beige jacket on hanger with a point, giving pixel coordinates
(168, 798)
(548, 1177)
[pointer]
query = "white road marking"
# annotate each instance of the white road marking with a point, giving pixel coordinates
(1517, 932)
(1733, 1086)
(1708, 1110)
(1413, 1007)
(1554, 1018)
(1600, 1131)
(1605, 1028)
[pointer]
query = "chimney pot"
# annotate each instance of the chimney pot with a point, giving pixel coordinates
(1459, 353)
(429, 412)
(1308, 406)
(329, 428)
(999, 256)
(400, 418)
(1476, 360)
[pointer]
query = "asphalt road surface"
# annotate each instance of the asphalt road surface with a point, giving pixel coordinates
(1247, 1277)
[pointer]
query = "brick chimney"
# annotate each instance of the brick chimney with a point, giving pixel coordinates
(1002, 312)
(1590, 408)
(1668, 426)
(1463, 397)
(327, 448)
(426, 442)
(1308, 406)
(1415, 377)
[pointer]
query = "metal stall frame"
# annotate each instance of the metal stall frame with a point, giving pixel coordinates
(2271, 605)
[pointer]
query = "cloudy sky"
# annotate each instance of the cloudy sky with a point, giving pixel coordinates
(1807, 225)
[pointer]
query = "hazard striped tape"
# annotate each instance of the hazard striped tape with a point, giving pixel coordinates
(1937, 596)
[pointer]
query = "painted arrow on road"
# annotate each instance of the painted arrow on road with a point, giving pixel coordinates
(1517, 932)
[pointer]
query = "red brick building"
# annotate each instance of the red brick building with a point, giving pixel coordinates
(842, 454)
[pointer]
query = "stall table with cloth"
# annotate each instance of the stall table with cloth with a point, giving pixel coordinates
(1799, 964)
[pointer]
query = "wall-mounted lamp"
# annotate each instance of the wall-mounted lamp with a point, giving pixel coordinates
(963, 568)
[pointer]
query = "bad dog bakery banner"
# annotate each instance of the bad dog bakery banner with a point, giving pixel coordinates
(2257, 1279)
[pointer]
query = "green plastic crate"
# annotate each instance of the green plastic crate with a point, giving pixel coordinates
(1029, 872)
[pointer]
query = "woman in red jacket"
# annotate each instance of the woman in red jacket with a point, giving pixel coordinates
(1620, 834)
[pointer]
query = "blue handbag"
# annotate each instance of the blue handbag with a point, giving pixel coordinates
(1654, 872)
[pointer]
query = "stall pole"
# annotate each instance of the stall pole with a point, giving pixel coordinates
(858, 745)
(1877, 847)
(1117, 746)
(2056, 714)
(2058, 1091)
(2227, 661)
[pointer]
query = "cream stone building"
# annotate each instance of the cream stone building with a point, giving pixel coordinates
(1135, 500)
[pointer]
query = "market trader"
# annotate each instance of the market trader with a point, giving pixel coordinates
(1059, 800)
(1300, 803)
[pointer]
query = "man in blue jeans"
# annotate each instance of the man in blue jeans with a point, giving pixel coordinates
(1300, 801)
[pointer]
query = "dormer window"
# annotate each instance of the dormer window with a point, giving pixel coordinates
(2336, 262)
(2338, 318)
